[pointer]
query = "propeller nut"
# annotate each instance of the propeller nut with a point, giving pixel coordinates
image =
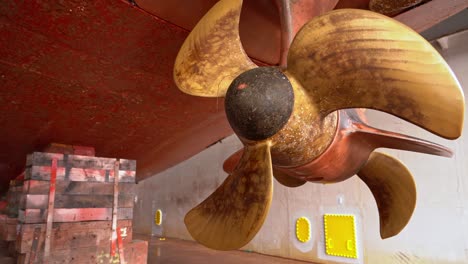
(259, 103)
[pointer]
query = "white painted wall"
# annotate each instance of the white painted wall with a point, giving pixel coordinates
(437, 232)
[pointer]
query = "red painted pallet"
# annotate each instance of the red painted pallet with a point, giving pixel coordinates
(8, 228)
(34, 216)
(13, 199)
(72, 209)
(42, 173)
(77, 188)
(2, 225)
(40, 201)
(7, 253)
(69, 149)
(78, 161)
(68, 236)
(136, 252)
(78, 168)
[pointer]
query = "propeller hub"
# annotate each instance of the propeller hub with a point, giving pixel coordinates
(259, 103)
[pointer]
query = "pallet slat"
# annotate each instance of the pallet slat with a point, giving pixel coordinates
(78, 161)
(136, 252)
(13, 200)
(32, 216)
(72, 235)
(8, 227)
(77, 187)
(70, 149)
(9, 232)
(78, 174)
(40, 201)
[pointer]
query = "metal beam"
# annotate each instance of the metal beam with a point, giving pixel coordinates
(425, 16)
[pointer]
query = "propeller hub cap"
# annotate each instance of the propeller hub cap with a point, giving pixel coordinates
(259, 103)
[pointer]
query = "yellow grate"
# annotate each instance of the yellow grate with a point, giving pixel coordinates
(340, 235)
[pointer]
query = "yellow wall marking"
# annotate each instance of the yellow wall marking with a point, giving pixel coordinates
(340, 235)
(303, 229)
(158, 217)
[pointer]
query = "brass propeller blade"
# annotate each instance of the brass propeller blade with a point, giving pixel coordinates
(231, 216)
(360, 59)
(394, 191)
(391, 7)
(212, 55)
(377, 138)
(230, 164)
(386, 139)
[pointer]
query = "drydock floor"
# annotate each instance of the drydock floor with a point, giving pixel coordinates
(175, 251)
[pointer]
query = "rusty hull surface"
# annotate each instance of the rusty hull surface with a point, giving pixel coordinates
(259, 27)
(97, 73)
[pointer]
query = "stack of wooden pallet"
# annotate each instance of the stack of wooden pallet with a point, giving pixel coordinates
(73, 210)
(13, 196)
(8, 232)
(9, 218)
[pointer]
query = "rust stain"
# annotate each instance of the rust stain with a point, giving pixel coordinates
(242, 86)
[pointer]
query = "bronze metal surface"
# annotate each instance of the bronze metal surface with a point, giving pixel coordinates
(293, 15)
(394, 190)
(230, 164)
(353, 143)
(388, 67)
(231, 216)
(212, 55)
(361, 59)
